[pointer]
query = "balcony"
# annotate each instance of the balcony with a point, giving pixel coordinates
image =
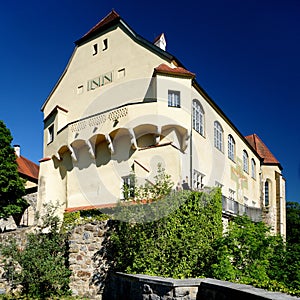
(234, 208)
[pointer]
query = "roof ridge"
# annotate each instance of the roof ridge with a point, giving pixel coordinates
(108, 19)
(262, 150)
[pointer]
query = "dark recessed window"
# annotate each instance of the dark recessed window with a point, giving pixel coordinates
(105, 44)
(267, 193)
(50, 133)
(95, 49)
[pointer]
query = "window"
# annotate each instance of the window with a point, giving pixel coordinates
(218, 184)
(231, 148)
(121, 73)
(231, 195)
(245, 162)
(267, 193)
(174, 98)
(105, 44)
(198, 180)
(253, 168)
(95, 49)
(50, 133)
(231, 202)
(218, 135)
(128, 187)
(79, 89)
(198, 117)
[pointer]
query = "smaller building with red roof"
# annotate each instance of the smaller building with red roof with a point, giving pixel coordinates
(29, 171)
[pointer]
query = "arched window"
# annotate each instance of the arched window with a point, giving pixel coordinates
(198, 117)
(253, 168)
(267, 193)
(245, 161)
(218, 135)
(231, 147)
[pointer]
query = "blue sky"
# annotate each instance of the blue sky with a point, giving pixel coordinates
(246, 55)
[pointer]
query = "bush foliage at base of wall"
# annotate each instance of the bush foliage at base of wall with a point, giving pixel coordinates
(178, 245)
(248, 253)
(38, 269)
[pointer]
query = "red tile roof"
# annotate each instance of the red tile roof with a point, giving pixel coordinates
(179, 71)
(106, 21)
(28, 168)
(109, 205)
(261, 149)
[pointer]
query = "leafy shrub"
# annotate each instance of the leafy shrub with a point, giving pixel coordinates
(178, 244)
(40, 268)
(248, 253)
(72, 219)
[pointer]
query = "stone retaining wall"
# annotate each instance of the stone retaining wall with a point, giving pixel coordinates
(141, 287)
(89, 259)
(20, 236)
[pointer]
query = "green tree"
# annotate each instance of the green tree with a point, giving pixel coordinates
(11, 184)
(40, 267)
(248, 253)
(175, 244)
(293, 222)
(292, 276)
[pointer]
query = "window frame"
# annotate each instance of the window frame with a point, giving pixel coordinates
(50, 133)
(198, 180)
(267, 189)
(198, 117)
(218, 136)
(231, 147)
(253, 168)
(245, 161)
(174, 102)
(129, 182)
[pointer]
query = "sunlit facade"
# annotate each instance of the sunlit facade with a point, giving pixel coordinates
(124, 104)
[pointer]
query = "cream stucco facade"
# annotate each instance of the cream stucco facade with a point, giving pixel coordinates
(124, 103)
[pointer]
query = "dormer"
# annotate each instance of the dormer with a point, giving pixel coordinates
(160, 42)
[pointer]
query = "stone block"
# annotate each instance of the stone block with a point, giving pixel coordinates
(86, 236)
(89, 227)
(78, 230)
(92, 247)
(100, 233)
(83, 248)
(154, 297)
(74, 248)
(83, 274)
(147, 289)
(181, 291)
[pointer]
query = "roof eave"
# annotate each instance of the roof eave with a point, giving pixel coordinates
(223, 115)
(181, 75)
(273, 164)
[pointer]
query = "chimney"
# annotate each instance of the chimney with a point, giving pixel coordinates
(160, 42)
(17, 150)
